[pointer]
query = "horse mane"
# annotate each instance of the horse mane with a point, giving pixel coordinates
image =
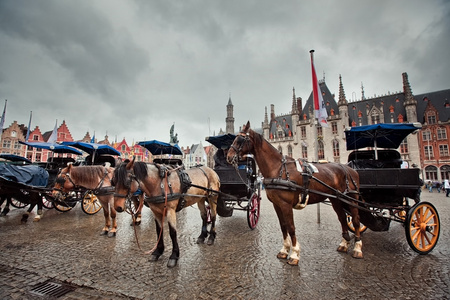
(258, 140)
(140, 170)
(86, 174)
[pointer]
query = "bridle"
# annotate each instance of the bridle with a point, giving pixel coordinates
(61, 179)
(241, 140)
(129, 193)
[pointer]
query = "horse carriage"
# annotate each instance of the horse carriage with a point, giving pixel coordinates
(390, 189)
(371, 189)
(240, 187)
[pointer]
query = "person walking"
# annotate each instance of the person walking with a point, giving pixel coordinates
(446, 187)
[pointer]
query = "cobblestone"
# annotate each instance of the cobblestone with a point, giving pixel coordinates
(242, 264)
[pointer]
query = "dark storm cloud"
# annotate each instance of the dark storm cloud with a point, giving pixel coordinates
(133, 68)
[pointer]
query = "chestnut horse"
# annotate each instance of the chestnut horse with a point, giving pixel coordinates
(288, 188)
(95, 178)
(169, 189)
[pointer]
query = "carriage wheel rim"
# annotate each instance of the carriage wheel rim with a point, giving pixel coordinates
(423, 227)
(91, 205)
(253, 212)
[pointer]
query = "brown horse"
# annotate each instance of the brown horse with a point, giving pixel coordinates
(95, 178)
(289, 188)
(169, 189)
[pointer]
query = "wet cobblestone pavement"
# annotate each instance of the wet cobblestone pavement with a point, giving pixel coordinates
(67, 248)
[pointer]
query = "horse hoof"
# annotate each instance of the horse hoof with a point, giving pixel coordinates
(37, 218)
(154, 257)
(210, 242)
(292, 262)
(112, 234)
(137, 223)
(24, 219)
(282, 256)
(357, 254)
(342, 249)
(201, 240)
(104, 232)
(172, 262)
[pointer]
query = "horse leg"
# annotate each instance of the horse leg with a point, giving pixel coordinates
(285, 217)
(172, 221)
(113, 214)
(357, 250)
(213, 216)
(105, 229)
(6, 208)
(203, 213)
(160, 246)
(27, 214)
(39, 204)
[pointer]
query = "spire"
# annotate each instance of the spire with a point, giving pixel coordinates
(362, 92)
(294, 103)
(342, 100)
(409, 99)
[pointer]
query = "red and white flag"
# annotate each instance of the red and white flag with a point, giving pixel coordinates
(320, 111)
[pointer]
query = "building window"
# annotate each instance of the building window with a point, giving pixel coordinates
(400, 118)
(334, 128)
(304, 152)
(336, 152)
(290, 150)
(404, 146)
(431, 173)
(35, 137)
(124, 148)
(429, 152)
(445, 170)
(320, 150)
(441, 134)
(443, 150)
(6, 144)
(431, 119)
(426, 135)
(303, 132)
(375, 118)
(280, 150)
(319, 131)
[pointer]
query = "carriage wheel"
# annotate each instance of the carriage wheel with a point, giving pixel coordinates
(422, 227)
(90, 203)
(47, 202)
(253, 209)
(362, 227)
(62, 208)
(17, 204)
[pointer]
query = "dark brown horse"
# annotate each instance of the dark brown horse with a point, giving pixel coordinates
(287, 188)
(95, 178)
(169, 189)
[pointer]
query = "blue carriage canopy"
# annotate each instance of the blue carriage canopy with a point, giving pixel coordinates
(221, 141)
(159, 148)
(53, 147)
(14, 158)
(31, 175)
(93, 148)
(379, 135)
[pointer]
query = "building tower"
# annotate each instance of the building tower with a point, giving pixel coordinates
(229, 119)
(410, 103)
(343, 104)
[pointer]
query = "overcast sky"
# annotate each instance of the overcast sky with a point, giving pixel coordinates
(133, 68)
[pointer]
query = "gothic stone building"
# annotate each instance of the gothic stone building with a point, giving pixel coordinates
(292, 134)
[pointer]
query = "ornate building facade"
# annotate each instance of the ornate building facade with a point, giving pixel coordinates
(296, 134)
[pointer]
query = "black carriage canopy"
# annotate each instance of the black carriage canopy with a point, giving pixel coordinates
(93, 148)
(379, 135)
(14, 158)
(53, 147)
(159, 148)
(221, 141)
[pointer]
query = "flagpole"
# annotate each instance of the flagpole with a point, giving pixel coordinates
(2, 120)
(314, 127)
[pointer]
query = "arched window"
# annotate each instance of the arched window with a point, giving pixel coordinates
(404, 146)
(445, 172)
(336, 152)
(304, 151)
(431, 173)
(320, 150)
(280, 150)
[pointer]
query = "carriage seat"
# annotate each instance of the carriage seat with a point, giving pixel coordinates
(374, 164)
(101, 160)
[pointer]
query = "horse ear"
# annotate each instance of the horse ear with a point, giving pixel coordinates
(69, 167)
(246, 127)
(131, 164)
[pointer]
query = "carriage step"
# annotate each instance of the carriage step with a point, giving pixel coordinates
(51, 290)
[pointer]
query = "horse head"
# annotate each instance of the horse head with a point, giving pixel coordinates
(242, 145)
(63, 183)
(125, 183)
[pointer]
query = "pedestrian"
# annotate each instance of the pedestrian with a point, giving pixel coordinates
(430, 186)
(438, 187)
(446, 187)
